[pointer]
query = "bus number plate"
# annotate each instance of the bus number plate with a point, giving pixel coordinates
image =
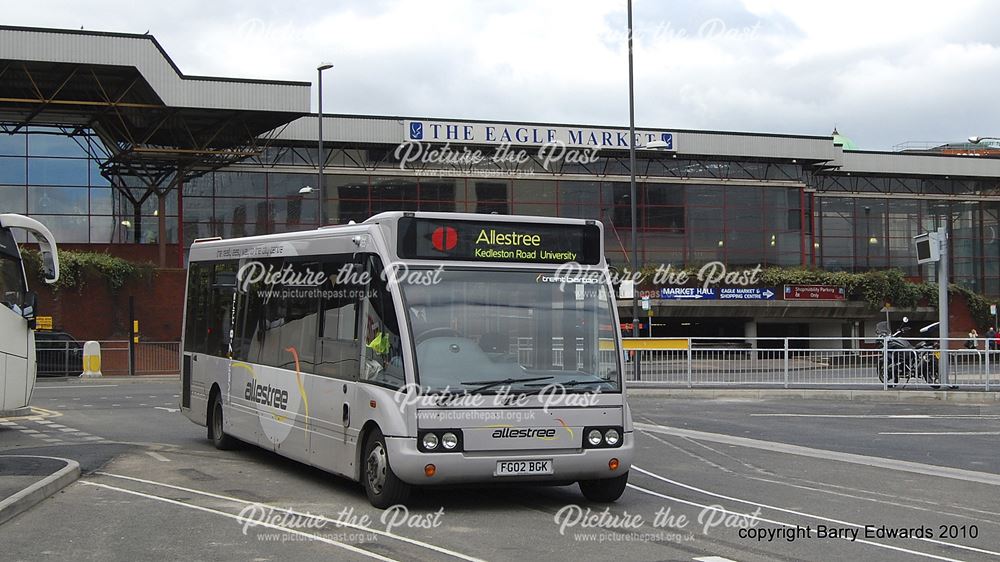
(521, 468)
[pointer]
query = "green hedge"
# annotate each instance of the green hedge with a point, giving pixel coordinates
(875, 287)
(77, 268)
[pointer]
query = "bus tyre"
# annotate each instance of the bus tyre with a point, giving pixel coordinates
(383, 487)
(604, 491)
(215, 432)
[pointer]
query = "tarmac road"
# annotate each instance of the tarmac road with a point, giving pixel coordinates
(714, 480)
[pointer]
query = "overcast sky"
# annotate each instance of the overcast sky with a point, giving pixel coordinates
(884, 72)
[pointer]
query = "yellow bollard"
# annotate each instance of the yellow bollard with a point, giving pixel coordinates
(91, 359)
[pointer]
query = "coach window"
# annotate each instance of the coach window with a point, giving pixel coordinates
(383, 349)
(339, 350)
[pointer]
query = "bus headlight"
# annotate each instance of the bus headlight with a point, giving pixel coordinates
(603, 437)
(611, 437)
(594, 437)
(440, 440)
(430, 441)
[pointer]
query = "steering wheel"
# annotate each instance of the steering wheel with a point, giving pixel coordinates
(441, 332)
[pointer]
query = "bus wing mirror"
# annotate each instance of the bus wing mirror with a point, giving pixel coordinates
(29, 309)
(46, 242)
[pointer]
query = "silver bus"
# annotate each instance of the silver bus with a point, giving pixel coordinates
(414, 349)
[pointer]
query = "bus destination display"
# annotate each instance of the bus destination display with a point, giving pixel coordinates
(441, 239)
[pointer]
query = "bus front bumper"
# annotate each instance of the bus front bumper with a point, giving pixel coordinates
(480, 466)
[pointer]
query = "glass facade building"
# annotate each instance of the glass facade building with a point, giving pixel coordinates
(739, 211)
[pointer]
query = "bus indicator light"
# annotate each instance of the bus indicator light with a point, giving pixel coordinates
(430, 470)
(613, 464)
(371, 403)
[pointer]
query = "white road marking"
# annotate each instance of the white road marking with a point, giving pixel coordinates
(319, 538)
(778, 447)
(391, 535)
(75, 386)
(713, 559)
(171, 410)
(886, 416)
(783, 524)
(803, 514)
(157, 456)
(939, 433)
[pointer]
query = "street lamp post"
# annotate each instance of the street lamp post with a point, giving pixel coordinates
(319, 156)
(633, 203)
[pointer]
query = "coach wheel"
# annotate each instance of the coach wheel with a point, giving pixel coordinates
(216, 432)
(383, 487)
(604, 491)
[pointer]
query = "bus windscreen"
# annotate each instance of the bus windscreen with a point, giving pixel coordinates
(463, 240)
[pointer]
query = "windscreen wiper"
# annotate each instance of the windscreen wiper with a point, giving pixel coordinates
(571, 383)
(486, 385)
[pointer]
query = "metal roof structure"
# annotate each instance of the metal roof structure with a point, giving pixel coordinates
(156, 125)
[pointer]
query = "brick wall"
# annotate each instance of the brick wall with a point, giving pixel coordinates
(95, 313)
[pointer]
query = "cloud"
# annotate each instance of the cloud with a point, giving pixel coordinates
(883, 72)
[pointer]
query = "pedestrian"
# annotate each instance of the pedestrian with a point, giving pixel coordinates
(972, 342)
(991, 336)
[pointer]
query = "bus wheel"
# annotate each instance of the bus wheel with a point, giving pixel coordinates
(215, 432)
(383, 487)
(606, 490)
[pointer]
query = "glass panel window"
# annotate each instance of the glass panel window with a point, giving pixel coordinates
(12, 170)
(12, 198)
(288, 185)
(58, 171)
(12, 145)
(476, 329)
(58, 200)
(101, 201)
(198, 187)
(56, 145)
(95, 174)
(239, 184)
(339, 350)
(67, 229)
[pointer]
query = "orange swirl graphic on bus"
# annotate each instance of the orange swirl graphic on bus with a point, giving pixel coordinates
(298, 377)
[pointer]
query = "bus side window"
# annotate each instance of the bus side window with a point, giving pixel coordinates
(197, 309)
(383, 363)
(339, 348)
(220, 309)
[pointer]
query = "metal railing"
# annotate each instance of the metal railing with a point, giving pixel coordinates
(65, 358)
(812, 362)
